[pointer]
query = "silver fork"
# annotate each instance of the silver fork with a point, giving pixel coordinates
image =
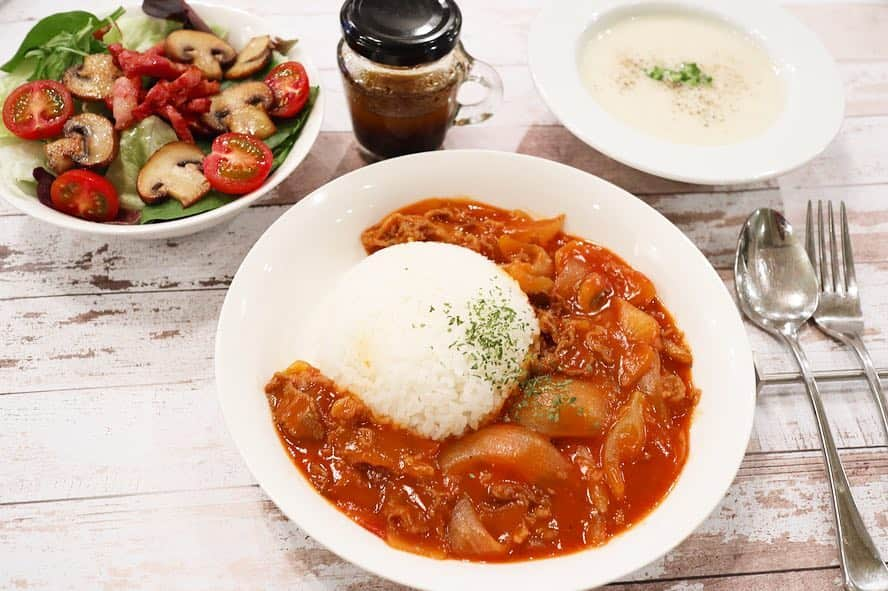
(839, 314)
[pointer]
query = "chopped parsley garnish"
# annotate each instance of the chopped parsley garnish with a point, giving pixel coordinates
(688, 74)
(556, 390)
(488, 341)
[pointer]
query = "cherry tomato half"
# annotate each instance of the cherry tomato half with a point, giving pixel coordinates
(238, 163)
(85, 194)
(37, 110)
(289, 84)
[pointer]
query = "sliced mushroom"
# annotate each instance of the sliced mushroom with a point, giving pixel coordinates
(173, 171)
(92, 79)
(58, 153)
(90, 140)
(242, 108)
(253, 57)
(205, 50)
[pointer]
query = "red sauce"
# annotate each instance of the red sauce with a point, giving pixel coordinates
(609, 362)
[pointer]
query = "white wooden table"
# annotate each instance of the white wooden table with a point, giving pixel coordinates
(116, 470)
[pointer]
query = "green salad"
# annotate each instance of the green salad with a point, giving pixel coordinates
(141, 119)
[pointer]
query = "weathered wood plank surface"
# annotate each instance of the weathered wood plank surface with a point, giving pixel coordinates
(108, 340)
(36, 260)
(117, 469)
(113, 441)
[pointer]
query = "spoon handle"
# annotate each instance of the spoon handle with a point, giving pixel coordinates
(862, 567)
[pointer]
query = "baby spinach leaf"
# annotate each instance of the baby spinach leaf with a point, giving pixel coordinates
(288, 131)
(46, 29)
(173, 210)
(58, 42)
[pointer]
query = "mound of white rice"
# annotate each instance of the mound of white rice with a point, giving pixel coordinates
(431, 336)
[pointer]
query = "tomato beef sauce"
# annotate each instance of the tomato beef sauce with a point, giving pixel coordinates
(591, 441)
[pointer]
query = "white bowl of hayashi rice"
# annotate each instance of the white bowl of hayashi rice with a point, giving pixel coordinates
(469, 369)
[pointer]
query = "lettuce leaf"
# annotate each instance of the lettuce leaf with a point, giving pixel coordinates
(8, 83)
(137, 144)
(18, 159)
(139, 32)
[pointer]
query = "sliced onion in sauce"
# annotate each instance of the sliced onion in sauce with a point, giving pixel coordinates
(637, 324)
(514, 448)
(624, 442)
(467, 536)
(537, 231)
(639, 360)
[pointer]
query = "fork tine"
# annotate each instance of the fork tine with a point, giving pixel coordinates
(825, 284)
(837, 283)
(848, 255)
(810, 240)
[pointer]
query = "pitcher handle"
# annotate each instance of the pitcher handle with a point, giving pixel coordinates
(481, 110)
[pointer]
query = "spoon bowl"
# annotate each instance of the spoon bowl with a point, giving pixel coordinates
(774, 278)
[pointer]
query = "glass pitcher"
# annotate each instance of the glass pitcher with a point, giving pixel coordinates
(402, 66)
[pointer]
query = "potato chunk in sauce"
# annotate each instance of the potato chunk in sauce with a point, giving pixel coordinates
(563, 407)
(588, 445)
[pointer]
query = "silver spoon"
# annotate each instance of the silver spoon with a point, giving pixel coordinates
(778, 291)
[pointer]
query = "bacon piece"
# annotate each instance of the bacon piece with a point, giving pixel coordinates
(123, 101)
(180, 101)
(165, 92)
(157, 49)
(178, 121)
(205, 88)
(149, 63)
(197, 106)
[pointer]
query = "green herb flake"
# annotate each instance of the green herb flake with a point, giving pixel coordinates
(488, 341)
(554, 389)
(688, 74)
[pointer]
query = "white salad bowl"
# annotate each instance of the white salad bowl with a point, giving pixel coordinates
(240, 26)
(812, 112)
(262, 329)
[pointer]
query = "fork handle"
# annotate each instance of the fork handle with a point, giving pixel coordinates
(872, 376)
(862, 568)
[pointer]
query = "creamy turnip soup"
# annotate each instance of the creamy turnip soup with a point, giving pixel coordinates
(683, 77)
